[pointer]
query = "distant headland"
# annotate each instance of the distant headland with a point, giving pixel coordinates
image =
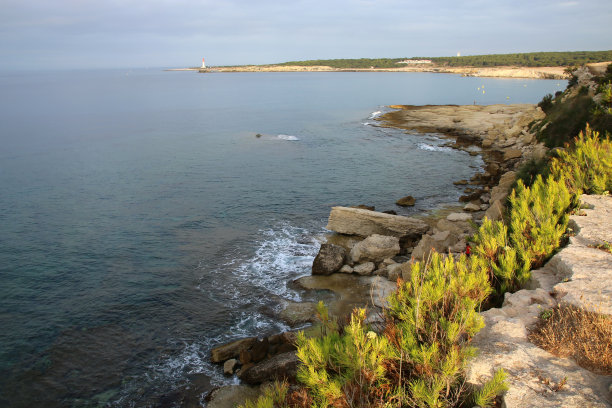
(539, 65)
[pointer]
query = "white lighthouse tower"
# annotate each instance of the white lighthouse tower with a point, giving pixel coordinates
(203, 64)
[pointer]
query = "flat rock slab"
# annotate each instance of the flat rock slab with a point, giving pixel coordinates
(587, 271)
(480, 121)
(354, 221)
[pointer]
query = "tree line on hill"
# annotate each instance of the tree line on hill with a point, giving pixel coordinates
(532, 59)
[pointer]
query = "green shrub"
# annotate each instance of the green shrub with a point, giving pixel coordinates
(587, 165)
(546, 103)
(538, 220)
(273, 396)
(420, 357)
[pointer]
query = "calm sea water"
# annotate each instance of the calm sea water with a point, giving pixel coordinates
(142, 222)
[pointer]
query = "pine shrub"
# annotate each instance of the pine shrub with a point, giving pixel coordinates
(538, 220)
(587, 165)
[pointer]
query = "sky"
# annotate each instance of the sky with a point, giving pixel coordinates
(61, 34)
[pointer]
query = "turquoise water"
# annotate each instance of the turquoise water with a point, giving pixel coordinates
(142, 222)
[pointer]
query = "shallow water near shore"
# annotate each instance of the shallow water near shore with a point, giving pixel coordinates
(143, 222)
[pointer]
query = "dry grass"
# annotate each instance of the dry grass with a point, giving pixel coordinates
(586, 337)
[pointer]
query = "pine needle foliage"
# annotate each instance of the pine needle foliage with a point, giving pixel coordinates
(431, 319)
(587, 165)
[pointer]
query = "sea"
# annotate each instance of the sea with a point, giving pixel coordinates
(147, 216)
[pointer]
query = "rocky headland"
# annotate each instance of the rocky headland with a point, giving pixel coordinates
(370, 250)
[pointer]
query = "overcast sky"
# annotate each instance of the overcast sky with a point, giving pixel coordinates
(178, 33)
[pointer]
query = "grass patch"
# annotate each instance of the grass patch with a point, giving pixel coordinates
(585, 336)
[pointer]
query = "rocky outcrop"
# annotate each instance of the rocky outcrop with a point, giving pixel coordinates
(375, 248)
(281, 366)
(577, 275)
(355, 221)
(224, 352)
(329, 259)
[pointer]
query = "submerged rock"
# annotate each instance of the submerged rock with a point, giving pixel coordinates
(407, 201)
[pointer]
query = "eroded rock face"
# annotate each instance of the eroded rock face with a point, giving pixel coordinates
(375, 248)
(329, 259)
(354, 221)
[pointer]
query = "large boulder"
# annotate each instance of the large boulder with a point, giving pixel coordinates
(375, 248)
(281, 366)
(224, 352)
(329, 259)
(353, 221)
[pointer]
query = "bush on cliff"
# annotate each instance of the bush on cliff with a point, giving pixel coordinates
(419, 358)
(587, 165)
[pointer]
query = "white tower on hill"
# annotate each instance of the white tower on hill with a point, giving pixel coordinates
(203, 64)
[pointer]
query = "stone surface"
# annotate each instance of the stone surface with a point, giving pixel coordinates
(230, 366)
(346, 269)
(459, 217)
(471, 207)
(440, 242)
(500, 192)
(398, 270)
(354, 221)
(365, 268)
(587, 271)
(375, 248)
(231, 350)
(329, 259)
(574, 275)
(381, 289)
(295, 313)
(407, 201)
(230, 396)
(281, 366)
(495, 211)
(510, 154)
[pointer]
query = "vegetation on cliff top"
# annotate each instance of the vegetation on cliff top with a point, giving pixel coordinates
(532, 59)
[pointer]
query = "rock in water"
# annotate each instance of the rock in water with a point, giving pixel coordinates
(375, 248)
(329, 259)
(407, 201)
(354, 221)
(231, 350)
(281, 366)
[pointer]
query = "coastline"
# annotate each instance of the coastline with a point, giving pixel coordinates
(492, 72)
(502, 134)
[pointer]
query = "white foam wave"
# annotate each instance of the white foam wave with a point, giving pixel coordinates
(374, 115)
(433, 148)
(283, 253)
(288, 137)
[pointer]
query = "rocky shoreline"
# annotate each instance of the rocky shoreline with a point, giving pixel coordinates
(370, 250)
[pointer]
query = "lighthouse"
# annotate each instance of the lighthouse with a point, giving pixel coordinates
(203, 64)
